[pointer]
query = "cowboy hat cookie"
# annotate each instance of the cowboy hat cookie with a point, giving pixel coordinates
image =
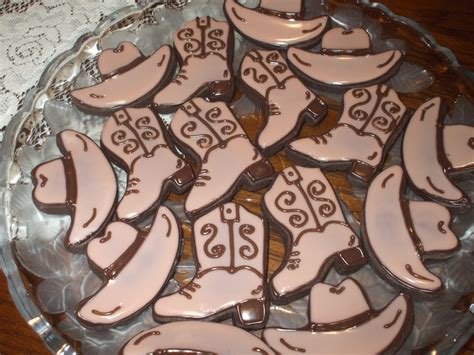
(400, 234)
(135, 139)
(303, 205)
(368, 125)
(345, 60)
(82, 184)
(343, 322)
(128, 78)
(211, 134)
(230, 246)
(424, 159)
(195, 338)
(264, 76)
(135, 266)
(205, 50)
(275, 23)
(458, 143)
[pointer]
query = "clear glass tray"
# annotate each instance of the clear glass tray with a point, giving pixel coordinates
(46, 281)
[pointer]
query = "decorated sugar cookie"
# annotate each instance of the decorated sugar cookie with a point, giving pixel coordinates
(458, 143)
(266, 78)
(303, 205)
(135, 265)
(368, 125)
(343, 322)
(231, 253)
(128, 78)
(211, 134)
(135, 139)
(195, 338)
(81, 183)
(424, 159)
(275, 23)
(346, 60)
(400, 234)
(206, 49)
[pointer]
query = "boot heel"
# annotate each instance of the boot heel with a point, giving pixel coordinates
(259, 171)
(315, 111)
(362, 170)
(183, 177)
(221, 91)
(251, 314)
(349, 260)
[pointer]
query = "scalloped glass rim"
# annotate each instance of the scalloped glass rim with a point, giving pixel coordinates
(28, 309)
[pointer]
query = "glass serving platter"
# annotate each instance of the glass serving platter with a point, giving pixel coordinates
(46, 281)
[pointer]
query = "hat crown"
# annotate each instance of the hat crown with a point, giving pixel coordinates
(286, 6)
(342, 39)
(332, 304)
(112, 60)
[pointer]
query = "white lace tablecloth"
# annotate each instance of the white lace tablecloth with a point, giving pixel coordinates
(32, 33)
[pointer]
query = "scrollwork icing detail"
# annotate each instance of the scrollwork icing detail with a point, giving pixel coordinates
(212, 116)
(216, 251)
(119, 138)
(148, 132)
(298, 217)
(191, 45)
(202, 140)
(260, 79)
(315, 189)
(354, 111)
(250, 251)
(278, 66)
(387, 124)
(216, 43)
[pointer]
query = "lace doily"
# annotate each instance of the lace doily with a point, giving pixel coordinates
(34, 32)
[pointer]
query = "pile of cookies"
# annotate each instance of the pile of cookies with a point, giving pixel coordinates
(231, 243)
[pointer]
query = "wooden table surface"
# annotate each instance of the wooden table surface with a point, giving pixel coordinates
(450, 22)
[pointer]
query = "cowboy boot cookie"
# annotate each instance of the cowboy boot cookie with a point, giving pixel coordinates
(135, 140)
(211, 134)
(231, 257)
(265, 77)
(370, 122)
(302, 203)
(205, 48)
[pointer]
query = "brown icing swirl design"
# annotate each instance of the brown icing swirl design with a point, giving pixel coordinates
(262, 78)
(317, 188)
(299, 218)
(247, 252)
(280, 66)
(216, 251)
(119, 138)
(217, 43)
(202, 140)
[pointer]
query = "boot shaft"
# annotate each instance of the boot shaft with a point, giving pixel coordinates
(374, 111)
(264, 70)
(230, 238)
(132, 133)
(203, 36)
(205, 126)
(303, 200)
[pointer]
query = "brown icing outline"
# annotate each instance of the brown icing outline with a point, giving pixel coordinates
(356, 169)
(69, 206)
(345, 261)
(179, 351)
(255, 177)
(213, 90)
(290, 16)
(464, 202)
(236, 311)
(361, 319)
(162, 82)
(178, 182)
(113, 270)
(312, 114)
(383, 270)
(470, 143)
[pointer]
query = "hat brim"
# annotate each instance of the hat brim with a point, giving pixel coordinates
(129, 87)
(344, 70)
